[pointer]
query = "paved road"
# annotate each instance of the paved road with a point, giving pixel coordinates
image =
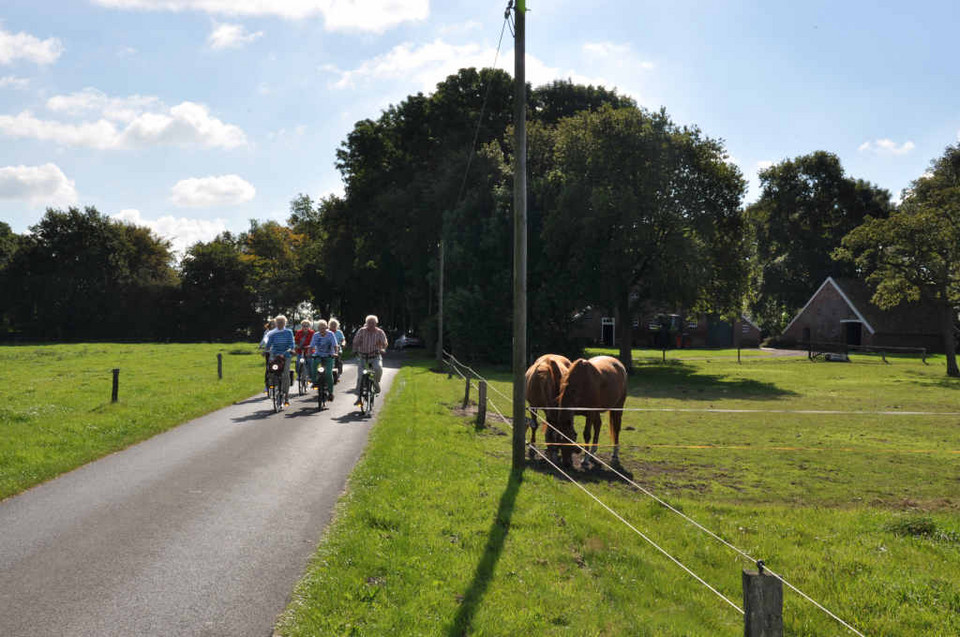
(202, 530)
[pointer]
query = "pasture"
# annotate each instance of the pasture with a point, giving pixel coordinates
(56, 414)
(859, 510)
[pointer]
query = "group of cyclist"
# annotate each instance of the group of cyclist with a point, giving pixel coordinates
(321, 345)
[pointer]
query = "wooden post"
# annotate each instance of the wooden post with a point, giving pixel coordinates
(219, 366)
(883, 355)
(449, 369)
(923, 355)
(466, 393)
(482, 405)
(440, 305)
(116, 386)
(762, 604)
(664, 354)
(519, 235)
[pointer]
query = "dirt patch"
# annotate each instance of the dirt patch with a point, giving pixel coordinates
(920, 506)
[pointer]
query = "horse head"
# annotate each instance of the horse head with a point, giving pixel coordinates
(571, 393)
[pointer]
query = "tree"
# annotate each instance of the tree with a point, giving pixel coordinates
(270, 249)
(80, 274)
(806, 207)
(641, 206)
(914, 254)
(217, 297)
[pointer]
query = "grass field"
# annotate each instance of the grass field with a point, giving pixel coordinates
(861, 511)
(56, 414)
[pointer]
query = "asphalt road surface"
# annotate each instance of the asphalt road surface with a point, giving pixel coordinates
(202, 530)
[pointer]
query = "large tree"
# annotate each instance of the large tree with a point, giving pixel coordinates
(642, 208)
(914, 254)
(806, 206)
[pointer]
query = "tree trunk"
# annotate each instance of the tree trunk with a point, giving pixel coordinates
(625, 325)
(949, 343)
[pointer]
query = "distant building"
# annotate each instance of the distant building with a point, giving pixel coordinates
(840, 313)
(657, 330)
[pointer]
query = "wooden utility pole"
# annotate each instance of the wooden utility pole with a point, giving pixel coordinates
(519, 236)
(440, 310)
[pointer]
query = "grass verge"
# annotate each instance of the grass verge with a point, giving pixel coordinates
(435, 538)
(56, 412)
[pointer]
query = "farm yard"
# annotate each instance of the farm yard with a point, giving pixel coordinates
(57, 415)
(859, 510)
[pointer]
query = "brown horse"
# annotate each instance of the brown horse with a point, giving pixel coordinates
(543, 390)
(597, 384)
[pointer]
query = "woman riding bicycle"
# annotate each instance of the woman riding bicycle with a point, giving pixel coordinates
(303, 336)
(279, 342)
(370, 342)
(335, 328)
(324, 348)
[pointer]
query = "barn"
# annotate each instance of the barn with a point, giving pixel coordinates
(840, 313)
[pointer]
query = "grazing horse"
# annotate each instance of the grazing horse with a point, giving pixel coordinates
(543, 390)
(597, 384)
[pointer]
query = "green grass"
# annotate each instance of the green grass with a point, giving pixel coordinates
(56, 412)
(434, 538)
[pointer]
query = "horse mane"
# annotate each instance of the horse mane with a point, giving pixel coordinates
(565, 381)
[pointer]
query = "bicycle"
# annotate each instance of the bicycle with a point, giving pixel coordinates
(275, 382)
(302, 378)
(367, 381)
(321, 383)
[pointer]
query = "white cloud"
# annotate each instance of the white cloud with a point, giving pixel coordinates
(886, 147)
(23, 46)
(349, 15)
(616, 55)
(44, 185)
(11, 81)
(427, 64)
(231, 36)
(182, 232)
(224, 190)
(124, 122)
(463, 27)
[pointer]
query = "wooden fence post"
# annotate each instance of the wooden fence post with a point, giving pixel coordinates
(466, 393)
(219, 366)
(923, 355)
(482, 405)
(762, 604)
(116, 386)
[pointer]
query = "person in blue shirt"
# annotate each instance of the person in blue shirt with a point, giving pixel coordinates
(335, 328)
(280, 342)
(324, 348)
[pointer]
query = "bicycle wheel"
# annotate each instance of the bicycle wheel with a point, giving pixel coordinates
(365, 394)
(321, 394)
(277, 395)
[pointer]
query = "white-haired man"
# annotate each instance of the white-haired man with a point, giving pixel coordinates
(369, 343)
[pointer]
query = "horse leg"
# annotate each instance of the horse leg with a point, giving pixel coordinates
(595, 416)
(587, 460)
(616, 418)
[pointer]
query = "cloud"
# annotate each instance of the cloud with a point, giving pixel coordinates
(427, 64)
(23, 46)
(339, 15)
(231, 36)
(136, 121)
(181, 232)
(764, 164)
(225, 190)
(886, 147)
(44, 185)
(10, 81)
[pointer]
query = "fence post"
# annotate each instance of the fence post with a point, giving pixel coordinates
(923, 355)
(664, 354)
(449, 369)
(762, 604)
(482, 405)
(883, 355)
(466, 393)
(738, 354)
(116, 386)
(219, 366)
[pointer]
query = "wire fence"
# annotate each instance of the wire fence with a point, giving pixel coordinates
(458, 367)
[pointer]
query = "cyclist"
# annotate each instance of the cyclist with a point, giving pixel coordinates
(335, 328)
(324, 348)
(303, 336)
(280, 342)
(369, 343)
(268, 328)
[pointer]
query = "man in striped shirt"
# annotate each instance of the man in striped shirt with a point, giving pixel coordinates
(280, 342)
(369, 343)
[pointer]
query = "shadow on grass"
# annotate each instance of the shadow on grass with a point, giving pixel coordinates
(675, 379)
(598, 474)
(491, 555)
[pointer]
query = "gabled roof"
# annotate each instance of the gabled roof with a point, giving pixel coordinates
(908, 318)
(830, 281)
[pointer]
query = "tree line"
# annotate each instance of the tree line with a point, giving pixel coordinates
(628, 211)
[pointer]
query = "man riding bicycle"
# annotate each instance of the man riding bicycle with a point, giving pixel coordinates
(280, 342)
(303, 336)
(369, 343)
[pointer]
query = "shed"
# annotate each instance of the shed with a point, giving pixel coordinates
(841, 313)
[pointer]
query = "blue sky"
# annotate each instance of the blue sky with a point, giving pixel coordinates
(194, 116)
